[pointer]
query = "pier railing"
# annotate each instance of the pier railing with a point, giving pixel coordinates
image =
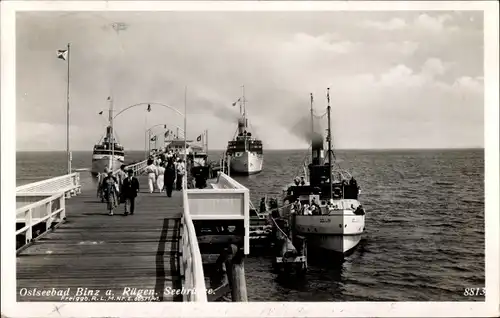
(226, 200)
(68, 184)
(191, 262)
(136, 167)
(49, 210)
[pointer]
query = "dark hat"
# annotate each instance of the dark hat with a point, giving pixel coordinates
(130, 171)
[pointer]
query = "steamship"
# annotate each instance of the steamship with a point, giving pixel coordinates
(337, 220)
(107, 152)
(244, 152)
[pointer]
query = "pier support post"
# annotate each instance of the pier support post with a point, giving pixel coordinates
(236, 274)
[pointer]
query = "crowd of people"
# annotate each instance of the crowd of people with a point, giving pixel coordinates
(165, 172)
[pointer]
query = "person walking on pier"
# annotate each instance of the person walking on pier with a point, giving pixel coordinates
(152, 171)
(181, 171)
(110, 189)
(121, 175)
(100, 178)
(170, 177)
(160, 180)
(130, 188)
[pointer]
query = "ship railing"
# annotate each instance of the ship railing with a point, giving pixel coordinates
(191, 262)
(137, 167)
(49, 211)
(68, 184)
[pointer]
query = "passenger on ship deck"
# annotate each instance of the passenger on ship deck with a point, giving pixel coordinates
(152, 171)
(296, 181)
(307, 210)
(302, 181)
(297, 205)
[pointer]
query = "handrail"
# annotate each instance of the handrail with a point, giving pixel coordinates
(191, 256)
(65, 183)
(47, 216)
(136, 167)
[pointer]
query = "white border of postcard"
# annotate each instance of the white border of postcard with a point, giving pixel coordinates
(11, 308)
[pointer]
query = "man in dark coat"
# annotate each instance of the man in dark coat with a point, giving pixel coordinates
(170, 174)
(130, 188)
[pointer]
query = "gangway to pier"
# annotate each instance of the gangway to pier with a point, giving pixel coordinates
(67, 241)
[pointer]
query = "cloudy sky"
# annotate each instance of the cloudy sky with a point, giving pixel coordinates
(397, 79)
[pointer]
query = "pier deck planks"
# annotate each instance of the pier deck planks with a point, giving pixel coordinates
(100, 252)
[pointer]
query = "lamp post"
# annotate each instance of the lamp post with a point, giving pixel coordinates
(149, 109)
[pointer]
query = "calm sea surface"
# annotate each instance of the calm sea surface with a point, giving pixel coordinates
(424, 236)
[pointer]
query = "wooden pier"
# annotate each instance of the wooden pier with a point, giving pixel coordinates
(152, 255)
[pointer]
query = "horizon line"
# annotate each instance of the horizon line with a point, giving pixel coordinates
(288, 149)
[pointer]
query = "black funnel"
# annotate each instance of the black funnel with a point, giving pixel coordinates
(317, 149)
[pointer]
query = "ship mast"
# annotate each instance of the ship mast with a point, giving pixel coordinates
(329, 139)
(244, 106)
(312, 120)
(111, 136)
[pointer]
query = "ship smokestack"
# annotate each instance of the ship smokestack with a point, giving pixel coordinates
(317, 149)
(241, 126)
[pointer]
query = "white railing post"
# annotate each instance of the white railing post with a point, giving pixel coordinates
(62, 206)
(48, 212)
(29, 231)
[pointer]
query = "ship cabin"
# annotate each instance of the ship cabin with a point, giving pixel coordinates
(106, 148)
(109, 145)
(244, 141)
(344, 186)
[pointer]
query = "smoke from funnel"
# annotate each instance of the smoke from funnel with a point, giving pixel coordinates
(302, 129)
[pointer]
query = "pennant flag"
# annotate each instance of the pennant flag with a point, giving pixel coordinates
(100, 113)
(199, 138)
(149, 107)
(153, 139)
(167, 133)
(62, 54)
(234, 104)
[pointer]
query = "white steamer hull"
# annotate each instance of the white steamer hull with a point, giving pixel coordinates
(101, 162)
(247, 163)
(338, 233)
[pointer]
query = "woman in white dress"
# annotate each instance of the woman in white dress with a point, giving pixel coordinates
(160, 181)
(152, 171)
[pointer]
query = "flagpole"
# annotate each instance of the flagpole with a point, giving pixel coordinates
(185, 124)
(68, 153)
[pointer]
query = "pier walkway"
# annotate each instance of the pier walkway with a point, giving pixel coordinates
(92, 256)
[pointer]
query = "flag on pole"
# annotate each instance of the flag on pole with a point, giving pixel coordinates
(328, 94)
(100, 113)
(167, 133)
(154, 138)
(199, 138)
(62, 54)
(234, 104)
(312, 99)
(149, 108)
